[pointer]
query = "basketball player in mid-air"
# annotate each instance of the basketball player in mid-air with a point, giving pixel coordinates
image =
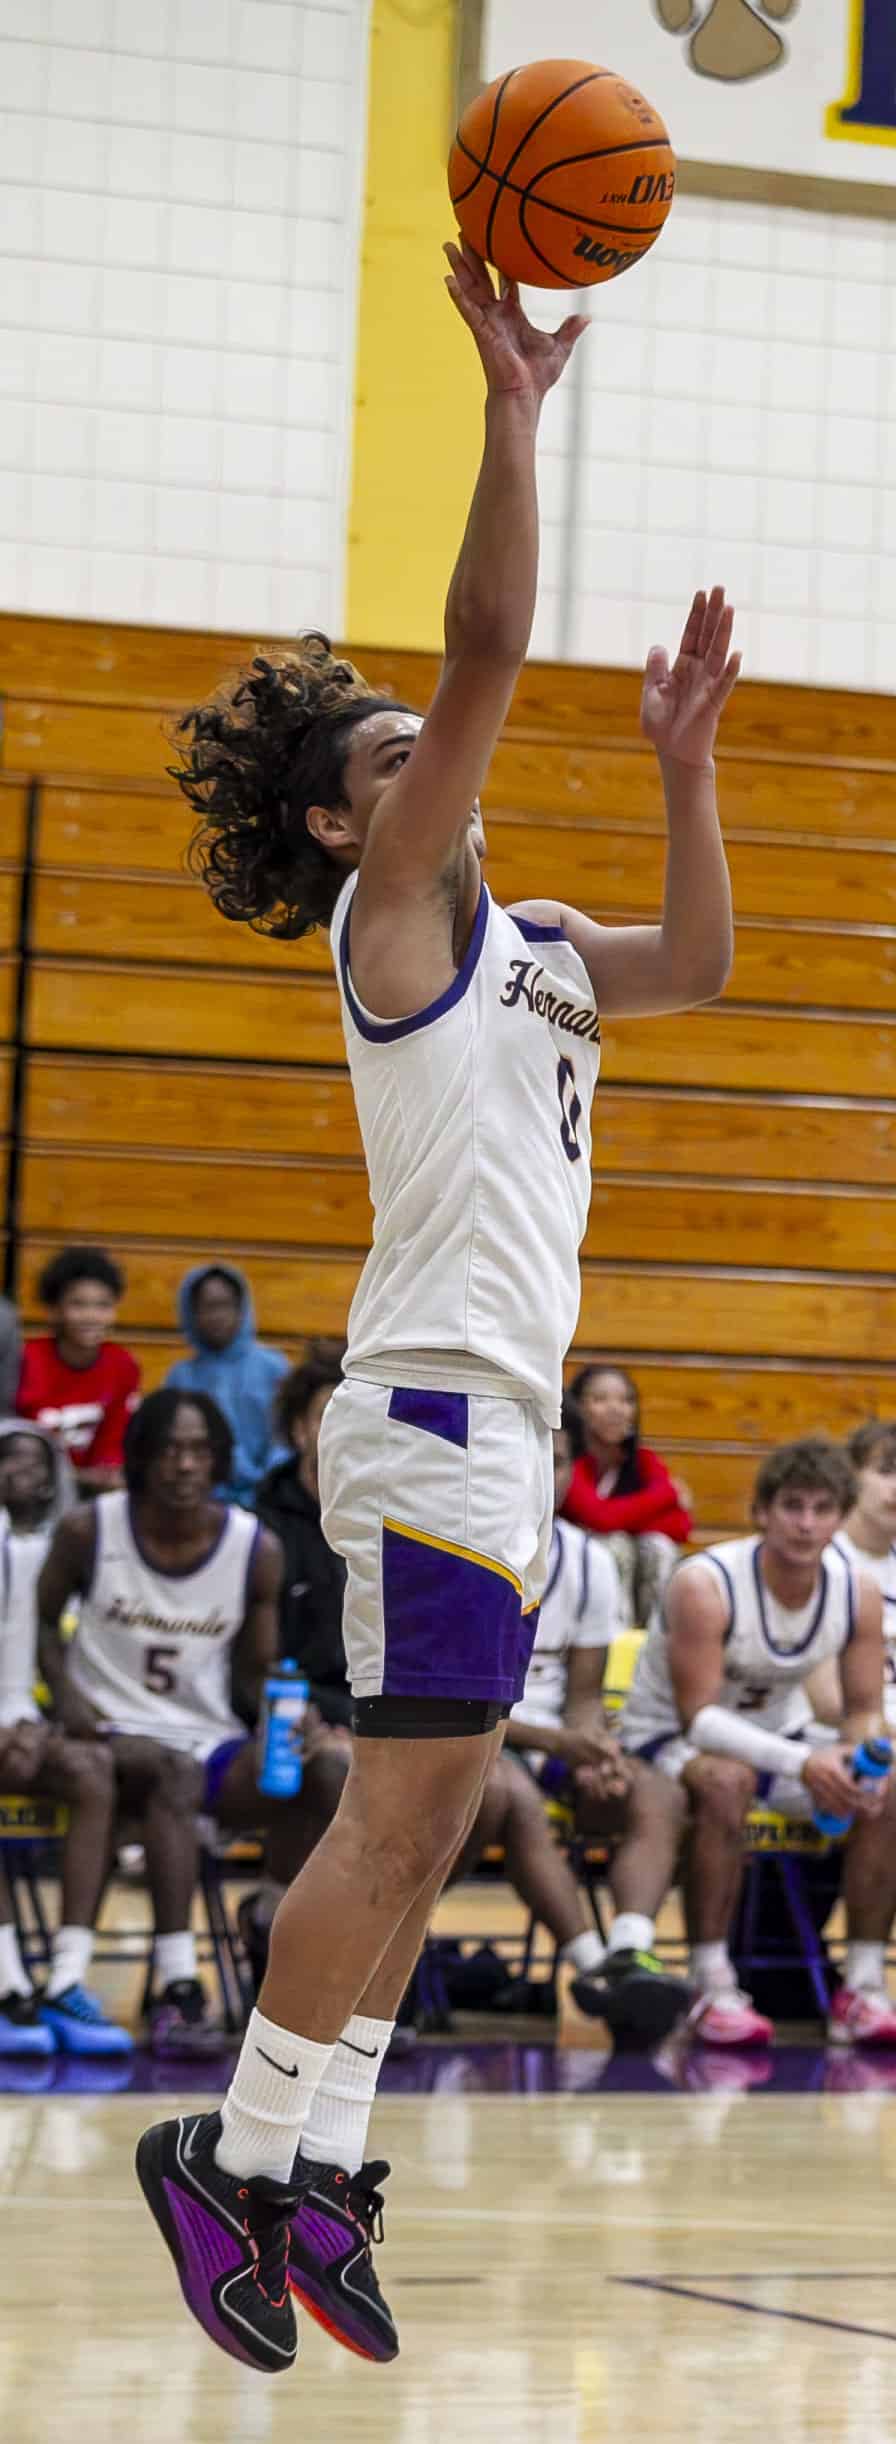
(473, 1042)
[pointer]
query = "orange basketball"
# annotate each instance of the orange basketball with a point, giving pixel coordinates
(561, 174)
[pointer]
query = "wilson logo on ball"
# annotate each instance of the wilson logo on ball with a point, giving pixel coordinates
(531, 169)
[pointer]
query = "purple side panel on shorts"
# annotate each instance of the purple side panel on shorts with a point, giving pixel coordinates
(446, 1414)
(527, 1634)
(452, 1627)
(216, 1767)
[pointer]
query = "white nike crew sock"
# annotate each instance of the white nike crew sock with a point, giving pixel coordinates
(266, 2105)
(336, 2129)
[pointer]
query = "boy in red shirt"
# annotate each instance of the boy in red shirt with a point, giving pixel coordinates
(77, 1384)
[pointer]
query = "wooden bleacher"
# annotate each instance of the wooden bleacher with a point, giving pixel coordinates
(182, 1087)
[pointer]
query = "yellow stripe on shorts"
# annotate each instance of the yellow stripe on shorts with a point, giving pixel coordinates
(464, 1552)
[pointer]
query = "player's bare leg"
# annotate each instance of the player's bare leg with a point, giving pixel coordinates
(862, 2013)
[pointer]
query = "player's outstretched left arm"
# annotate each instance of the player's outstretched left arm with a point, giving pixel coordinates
(642, 970)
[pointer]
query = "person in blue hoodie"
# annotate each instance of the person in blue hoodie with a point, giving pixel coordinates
(216, 1314)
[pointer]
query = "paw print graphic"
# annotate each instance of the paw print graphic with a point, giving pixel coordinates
(730, 40)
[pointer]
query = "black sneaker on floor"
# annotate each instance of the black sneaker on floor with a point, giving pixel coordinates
(339, 2217)
(180, 2023)
(229, 2240)
(634, 1995)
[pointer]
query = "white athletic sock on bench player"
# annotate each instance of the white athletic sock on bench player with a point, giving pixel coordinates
(336, 2129)
(712, 1969)
(584, 1953)
(630, 1932)
(266, 2105)
(69, 1959)
(14, 1978)
(174, 1960)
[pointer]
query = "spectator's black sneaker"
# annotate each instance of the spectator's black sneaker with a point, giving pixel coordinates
(339, 2216)
(229, 2240)
(634, 1995)
(180, 2024)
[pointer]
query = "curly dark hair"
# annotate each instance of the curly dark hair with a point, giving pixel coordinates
(78, 1264)
(148, 1430)
(271, 742)
(815, 1464)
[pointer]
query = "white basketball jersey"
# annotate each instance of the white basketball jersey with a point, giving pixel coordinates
(476, 1121)
(769, 1650)
(882, 1568)
(580, 1607)
(152, 1653)
(21, 1562)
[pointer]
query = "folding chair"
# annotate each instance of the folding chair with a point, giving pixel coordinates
(30, 1831)
(780, 1844)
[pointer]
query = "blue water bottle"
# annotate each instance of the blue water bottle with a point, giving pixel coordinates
(869, 1763)
(283, 1708)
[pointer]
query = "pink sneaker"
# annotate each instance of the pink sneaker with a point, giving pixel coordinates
(729, 2018)
(865, 2017)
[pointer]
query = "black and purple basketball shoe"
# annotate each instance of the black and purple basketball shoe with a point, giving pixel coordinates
(339, 2216)
(229, 2240)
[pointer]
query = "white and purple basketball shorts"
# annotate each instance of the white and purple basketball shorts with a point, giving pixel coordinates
(441, 1504)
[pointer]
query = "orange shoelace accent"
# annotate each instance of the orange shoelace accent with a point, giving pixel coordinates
(276, 2299)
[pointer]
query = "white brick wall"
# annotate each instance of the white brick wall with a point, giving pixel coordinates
(736, 420)
(180, 186)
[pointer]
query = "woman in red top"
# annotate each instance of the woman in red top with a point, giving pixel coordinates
(621, 1490)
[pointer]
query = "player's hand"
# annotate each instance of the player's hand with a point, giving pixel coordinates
(23, 1750)
(517, 357)
(611, 1779)
(827, 1775)
(681, 708)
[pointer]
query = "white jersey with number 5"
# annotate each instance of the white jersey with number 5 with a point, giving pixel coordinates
(152, 1652)
(476, 1120)
(769, 1650)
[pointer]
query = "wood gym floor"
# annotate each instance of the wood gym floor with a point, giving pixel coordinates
(566, 2268)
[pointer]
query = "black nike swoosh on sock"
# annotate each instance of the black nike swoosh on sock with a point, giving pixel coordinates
(370, 2052)
(278, 2066)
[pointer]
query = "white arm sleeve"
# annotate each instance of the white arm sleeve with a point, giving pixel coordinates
(722, 1734)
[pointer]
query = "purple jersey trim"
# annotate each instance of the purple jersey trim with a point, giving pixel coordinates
(815, 1623)
(538, 933)
(390, 1031)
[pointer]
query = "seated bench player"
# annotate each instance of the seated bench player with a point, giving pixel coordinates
(720, 1703)
(178, 1601)
(560, 1729)
(36, 1760)
(867, 1537)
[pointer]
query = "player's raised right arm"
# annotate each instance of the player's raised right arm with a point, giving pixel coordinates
(420, 823)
